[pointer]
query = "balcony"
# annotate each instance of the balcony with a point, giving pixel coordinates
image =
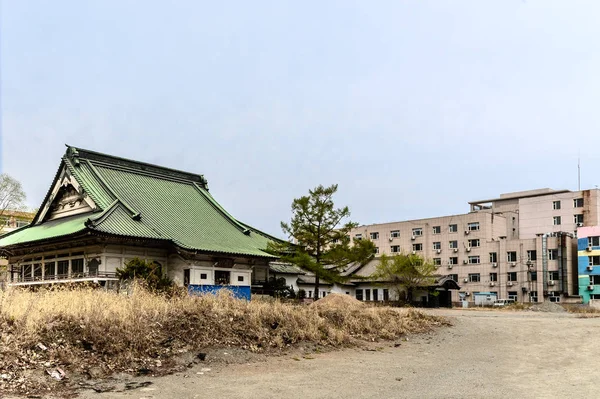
(19, 280)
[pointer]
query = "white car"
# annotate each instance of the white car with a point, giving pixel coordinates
(503, 302)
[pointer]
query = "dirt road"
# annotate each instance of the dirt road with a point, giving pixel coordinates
(492, 354)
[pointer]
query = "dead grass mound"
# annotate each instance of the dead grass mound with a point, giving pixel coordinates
(82, 330)
(338, 301)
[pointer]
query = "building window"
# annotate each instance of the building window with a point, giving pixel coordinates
(37, 271)
(437, 261)
(453, 244)
(367, 294)
(453, 277)
(552, 254)
(453, 228)
(553, 275)
(77, 266)
(386, 294)
(556, 205)
(511, 256)
(222, 277)
(493, 276)
(593, 241)
(474, 277)
(358, 236)
(437, 229)
(375, 294)
(376, 250)
(474, 260)
(473, 226)
(532, 255)
(203, 276)
(578, 219)
(395, 233)
(473, 243)
(453, 261)
(417, 247)
(240, 279)
(594, 260)
(374, 236)
(49, 269)
(511, 276)
(437, 245)
(595, 280)
(358, 294)
(533, 295)
(533, 276)
(513, 295)
(395, 249)
(556, 220)
(417, 232)
(63, 268)
(578, 203)
(493, 257)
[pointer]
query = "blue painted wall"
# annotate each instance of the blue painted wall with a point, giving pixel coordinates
(241, 292)
(584, 274)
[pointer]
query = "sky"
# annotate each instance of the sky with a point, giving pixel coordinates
(413, 108)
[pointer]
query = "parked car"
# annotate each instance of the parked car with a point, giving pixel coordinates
(503, 302)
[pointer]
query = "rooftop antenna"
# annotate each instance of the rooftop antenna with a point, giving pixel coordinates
(578, 173)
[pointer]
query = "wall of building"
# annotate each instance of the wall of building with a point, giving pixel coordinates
(537, 214)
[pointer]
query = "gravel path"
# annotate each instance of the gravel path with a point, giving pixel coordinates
(492, 354)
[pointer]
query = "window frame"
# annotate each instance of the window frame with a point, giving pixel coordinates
(473, 226)
(556, 220)
(474, 260)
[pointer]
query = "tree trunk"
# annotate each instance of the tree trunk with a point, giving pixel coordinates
(316, 293)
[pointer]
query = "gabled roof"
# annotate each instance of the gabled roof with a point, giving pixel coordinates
(285, 268)
(140, 200)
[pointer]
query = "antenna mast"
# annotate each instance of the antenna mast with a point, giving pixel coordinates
(578, 173)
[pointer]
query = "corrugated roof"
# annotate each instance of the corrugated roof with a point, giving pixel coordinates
(146, 201)
(285, 268)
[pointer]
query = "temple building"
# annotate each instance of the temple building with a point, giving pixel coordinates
(102, 211)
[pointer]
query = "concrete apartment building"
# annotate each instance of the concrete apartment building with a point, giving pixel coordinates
(520, 246)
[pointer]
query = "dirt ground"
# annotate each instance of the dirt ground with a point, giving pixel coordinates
(492, 354)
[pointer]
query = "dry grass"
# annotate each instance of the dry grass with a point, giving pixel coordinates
(581, 309)
(86, 328)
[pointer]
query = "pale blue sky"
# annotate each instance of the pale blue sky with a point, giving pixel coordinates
(413, 107)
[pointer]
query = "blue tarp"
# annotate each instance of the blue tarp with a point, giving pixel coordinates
(241, 292)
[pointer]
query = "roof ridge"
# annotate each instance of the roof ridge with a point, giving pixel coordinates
(94, 221)
(134, 165)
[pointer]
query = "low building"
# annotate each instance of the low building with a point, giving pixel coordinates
(588, 257)
(519, 246)
(12, 220)
(101, 211)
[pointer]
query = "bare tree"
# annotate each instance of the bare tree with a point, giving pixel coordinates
(12, 196)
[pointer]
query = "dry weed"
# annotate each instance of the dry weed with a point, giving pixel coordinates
(83, 328)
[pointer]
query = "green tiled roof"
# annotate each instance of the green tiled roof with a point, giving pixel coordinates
(48, 230)
(146, 201)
